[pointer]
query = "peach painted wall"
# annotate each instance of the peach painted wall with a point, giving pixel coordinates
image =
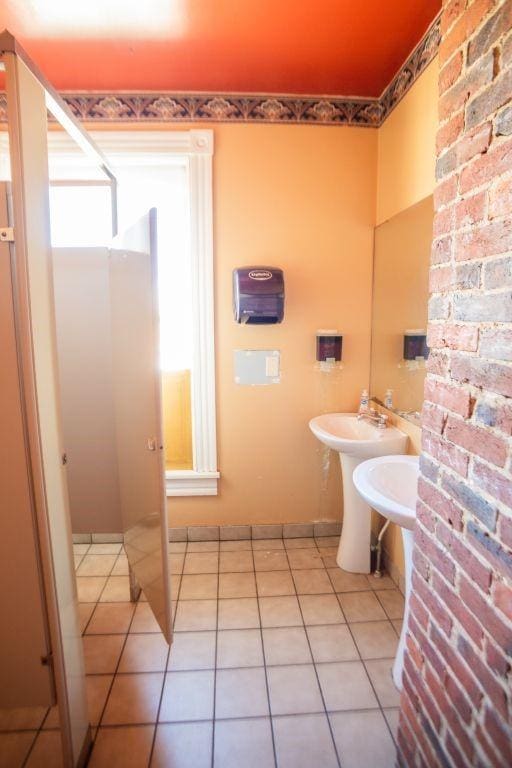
(406, 148)
(301, 198)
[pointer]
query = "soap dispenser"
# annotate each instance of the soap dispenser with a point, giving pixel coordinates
(363, 403)
(388, 398)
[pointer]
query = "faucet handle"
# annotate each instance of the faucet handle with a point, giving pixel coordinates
(383, 420)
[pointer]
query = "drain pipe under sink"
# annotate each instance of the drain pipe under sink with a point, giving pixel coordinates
(378, 549)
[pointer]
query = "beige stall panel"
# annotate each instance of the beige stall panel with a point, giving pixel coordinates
(82, 308)
(24, 681)
(138, 414)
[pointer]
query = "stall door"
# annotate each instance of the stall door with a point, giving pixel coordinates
(138, 415)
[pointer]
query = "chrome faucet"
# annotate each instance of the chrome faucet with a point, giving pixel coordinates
(380, 419)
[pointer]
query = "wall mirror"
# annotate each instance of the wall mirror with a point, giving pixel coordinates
(399, 313)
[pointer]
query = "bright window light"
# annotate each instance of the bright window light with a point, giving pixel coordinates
(81, 216)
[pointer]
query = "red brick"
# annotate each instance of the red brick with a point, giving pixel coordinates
(440, 504)
(445, 452)
(502, 594)
(500, 198)
(485, 678)
(470, 210)
(445, 192)
(488, 240)
(451, 12)
(457, 609)
(492, 760)
(432, 603)
(485, 614)
(441, 278)
(481, 373)
(490, 100)
(499, 734)
(478, 441)
(449, 396)
(498, 274)
(496, 660)
(428, 545)
(454, 99)
(441, 249)
(465, 558)
(459, 337)
(448, 133)
(433, 418)
(505, 530)
(495, 413)
(463, 28)
(418, 611)
(493, 548)
(417, 687)
(496, 26)
(488, 167)
(437, 363)
(450, 72)
(492, 482)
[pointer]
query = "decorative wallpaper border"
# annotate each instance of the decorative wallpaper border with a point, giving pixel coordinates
(164, 107)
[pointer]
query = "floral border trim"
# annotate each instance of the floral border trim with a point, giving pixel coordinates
(207, 107)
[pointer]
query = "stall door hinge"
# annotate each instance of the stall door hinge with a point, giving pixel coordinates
(47, 661)
(6, 234)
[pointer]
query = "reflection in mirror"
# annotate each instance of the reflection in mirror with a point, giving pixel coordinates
(399, 317)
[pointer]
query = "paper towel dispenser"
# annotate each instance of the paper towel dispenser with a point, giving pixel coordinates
(258, 295)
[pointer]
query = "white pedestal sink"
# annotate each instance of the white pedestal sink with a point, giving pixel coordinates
(355, 440)
(390, 485)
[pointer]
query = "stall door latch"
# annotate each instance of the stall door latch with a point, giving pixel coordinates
(6, 234)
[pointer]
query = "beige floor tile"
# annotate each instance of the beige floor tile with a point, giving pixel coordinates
(397, 624)
(301, 559)
(304, 741)
(379, 584)
(128, 746)
(270, 560)
(110, 619)
(392, 717)
(187, 696)
(327, 541)
(192, 650)
(102, 653)
(177, 546)
(237, 585)
(239, 648)
(14, 748)
(312, 582)
(77, 559)
(120, 566)
(236, 546)
(393, 602)
(200, 586)
(203, 546)
(267, 545)
(144, 653)
(332, 643)
(183, 745)
(201, 562)
(380, 671)
(299, 543)
(96, 565)
(343, 581)
(321, 609)
(52, 719)
(239, 613)
(361, 606)
(22, 718)
(97, 688)
(117, 590)
(134, 699)
(47, 751)
(80, 549)
(89, 588)
(240, 693)
(85, 611)
(345, 685)
(144, 620)
(105, 549)
(286, 645)
(236, 562)
(176, 562)
(246, 743)
(274, 583)
(363, 739)
(294, 690)
(280, 612)
(375, 639)
(194, 615)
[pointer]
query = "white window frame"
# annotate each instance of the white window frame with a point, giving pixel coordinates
(126, 148)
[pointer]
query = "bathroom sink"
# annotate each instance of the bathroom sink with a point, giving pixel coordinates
(355, 440)
(389, 485)
(345, 433)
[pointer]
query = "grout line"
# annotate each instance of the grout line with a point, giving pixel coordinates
(265, 665)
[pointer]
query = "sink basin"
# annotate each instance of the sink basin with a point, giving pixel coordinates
(390, 485)
(355, 440)
(345, 433)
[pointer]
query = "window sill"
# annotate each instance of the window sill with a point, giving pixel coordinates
(187, 482)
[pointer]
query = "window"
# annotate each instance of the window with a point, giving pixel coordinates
(172, 172)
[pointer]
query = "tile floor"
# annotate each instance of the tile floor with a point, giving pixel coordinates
(279, 660)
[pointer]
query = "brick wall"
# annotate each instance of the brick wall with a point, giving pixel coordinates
(456, 702)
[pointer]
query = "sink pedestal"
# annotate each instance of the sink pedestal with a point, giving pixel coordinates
(398, 666)
(354, 547)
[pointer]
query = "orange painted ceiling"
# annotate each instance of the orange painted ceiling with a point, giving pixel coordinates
(330, 47)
